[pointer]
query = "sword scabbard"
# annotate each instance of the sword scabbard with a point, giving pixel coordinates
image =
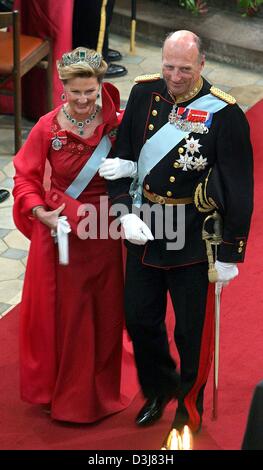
(214, 239)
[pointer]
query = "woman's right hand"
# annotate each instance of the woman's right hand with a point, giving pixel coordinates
(49, 218)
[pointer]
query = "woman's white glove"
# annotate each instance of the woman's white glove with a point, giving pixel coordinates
(226, 272)
(135, 230)
(114, 168)
(63, 229)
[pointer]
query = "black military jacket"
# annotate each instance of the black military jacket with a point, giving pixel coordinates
(227, 143)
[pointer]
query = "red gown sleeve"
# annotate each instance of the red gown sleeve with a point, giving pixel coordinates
(30, 164)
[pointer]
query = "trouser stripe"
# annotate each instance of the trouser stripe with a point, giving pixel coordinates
(205, 360)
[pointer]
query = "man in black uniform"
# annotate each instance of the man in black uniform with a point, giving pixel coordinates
(181, 127)
(91, 22)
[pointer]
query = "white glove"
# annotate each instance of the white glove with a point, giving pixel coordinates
(114, 168)
(226, 272)
(135, 230)
(63, 229)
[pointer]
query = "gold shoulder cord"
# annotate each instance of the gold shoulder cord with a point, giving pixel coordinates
(199, 201)
(196, 199)
(209, 200)
(205, 186)
(101, 34)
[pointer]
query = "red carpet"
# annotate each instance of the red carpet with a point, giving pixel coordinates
(23, 426)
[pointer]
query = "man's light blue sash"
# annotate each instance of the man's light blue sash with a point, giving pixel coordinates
(90, 168)
(163, 141)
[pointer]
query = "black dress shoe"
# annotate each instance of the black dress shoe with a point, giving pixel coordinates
(151, 411)
(4, 194)
(115, 70)
(113, 55)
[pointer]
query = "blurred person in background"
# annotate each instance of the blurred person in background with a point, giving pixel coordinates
(89, 30)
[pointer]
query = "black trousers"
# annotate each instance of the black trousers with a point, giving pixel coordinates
(145, 304)
(86, 24)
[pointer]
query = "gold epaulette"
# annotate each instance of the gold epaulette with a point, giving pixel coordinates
(222, 95)
(150, 77)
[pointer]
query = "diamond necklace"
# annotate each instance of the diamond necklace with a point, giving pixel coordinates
(80, 124)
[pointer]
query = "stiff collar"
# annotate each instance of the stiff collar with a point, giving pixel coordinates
(190, 94)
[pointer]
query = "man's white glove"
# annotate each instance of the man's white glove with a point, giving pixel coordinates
(114, 168)
(226, 272)
(135, 230)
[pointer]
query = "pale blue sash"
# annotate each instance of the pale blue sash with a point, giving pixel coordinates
(90, 168)
(163, 141)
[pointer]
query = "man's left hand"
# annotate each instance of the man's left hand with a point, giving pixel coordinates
(226, 272)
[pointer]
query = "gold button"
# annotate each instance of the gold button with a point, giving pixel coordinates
(169, 193)
(180, 150)
(240, 250)
(151, 127)
(176, 164)
(157, 98)
(241, 243)
(172, 179)
(154, 112)
(147, 187)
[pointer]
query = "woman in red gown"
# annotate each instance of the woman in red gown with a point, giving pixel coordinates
(71, 316)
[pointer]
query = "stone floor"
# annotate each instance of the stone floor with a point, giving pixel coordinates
(245, 85)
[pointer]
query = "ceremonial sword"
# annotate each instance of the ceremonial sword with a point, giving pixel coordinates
(214, 238)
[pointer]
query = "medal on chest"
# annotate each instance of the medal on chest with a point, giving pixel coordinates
(190, 158)
(190, 120)
(56, 144)
(58, 139)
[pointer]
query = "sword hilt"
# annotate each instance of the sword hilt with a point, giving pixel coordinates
(212, 272)
(212, 239)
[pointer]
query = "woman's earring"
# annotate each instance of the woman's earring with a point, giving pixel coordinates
(63, 96)
(98, 100)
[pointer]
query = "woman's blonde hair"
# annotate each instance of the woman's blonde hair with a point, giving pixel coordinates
(81, 62)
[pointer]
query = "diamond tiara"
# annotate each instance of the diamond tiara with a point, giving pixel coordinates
(80, 56)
